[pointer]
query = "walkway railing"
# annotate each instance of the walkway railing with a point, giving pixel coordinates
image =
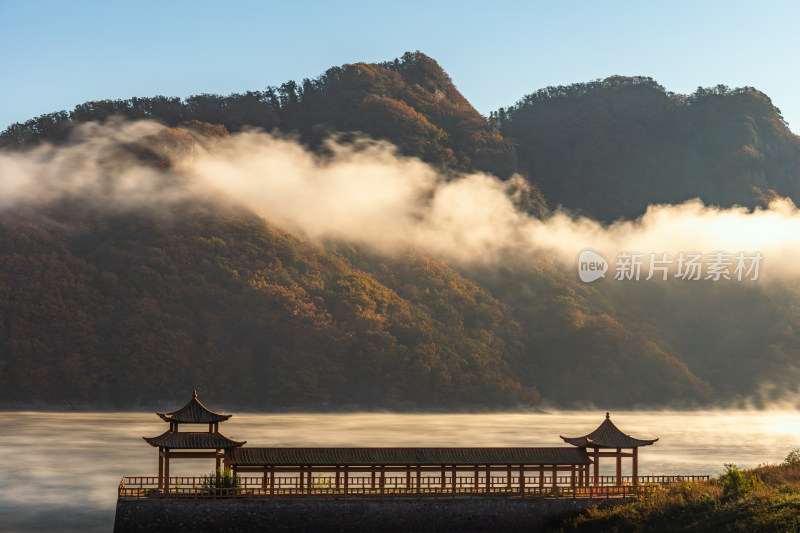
(394, 487)
(606, 481)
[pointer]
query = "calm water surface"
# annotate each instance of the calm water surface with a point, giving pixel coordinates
(60, 471)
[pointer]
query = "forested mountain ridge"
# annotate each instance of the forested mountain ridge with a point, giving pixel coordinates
(111, 307)
(611, 147)
(607, 148)
(410, 101)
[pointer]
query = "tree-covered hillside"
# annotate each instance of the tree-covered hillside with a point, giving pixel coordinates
(122, 306)
(410, 101)
(610, 148)
(126, 308)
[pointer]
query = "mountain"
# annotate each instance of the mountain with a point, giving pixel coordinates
(122, 306)
(611, 147)
(410, 101)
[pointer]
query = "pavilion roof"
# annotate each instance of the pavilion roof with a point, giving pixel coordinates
(607, 435)
(193, 440)
(194, 412)
(406, 456)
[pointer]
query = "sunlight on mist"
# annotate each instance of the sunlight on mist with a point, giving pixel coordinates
(365, 193)
(73, 462)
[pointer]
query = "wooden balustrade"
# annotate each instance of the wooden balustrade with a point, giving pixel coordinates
(325, 486)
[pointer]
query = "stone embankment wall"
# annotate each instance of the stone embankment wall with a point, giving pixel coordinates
(167, 515)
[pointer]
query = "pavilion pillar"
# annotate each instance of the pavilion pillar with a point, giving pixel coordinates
(372, 474)
(596, 467)
(444, 481)
(338, 475)
(161, 468)
(419, 479)
(408, 478)
(508, 478)
(635, 466)
(166, 470)
(488, 479)
(455, 478)
(218, 458)
(541, 476)
(477, 480)
(572, 476)
(382, 479)
(619, 467)
(522, 479)
(555, 476)
(272, 481)
(346, 480)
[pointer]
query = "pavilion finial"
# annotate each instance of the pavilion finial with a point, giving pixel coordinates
(607, 415)
(194, 395)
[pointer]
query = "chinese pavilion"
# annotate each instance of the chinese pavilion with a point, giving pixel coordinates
(362, 471)
(213, 443)
(608, 436)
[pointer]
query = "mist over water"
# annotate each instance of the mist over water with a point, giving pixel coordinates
(61, 470)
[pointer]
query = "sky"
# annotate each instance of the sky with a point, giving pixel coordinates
(59, 54)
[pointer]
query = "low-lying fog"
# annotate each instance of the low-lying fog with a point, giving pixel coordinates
(61, 470)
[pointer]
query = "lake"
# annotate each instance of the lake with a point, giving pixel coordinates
(60, 471)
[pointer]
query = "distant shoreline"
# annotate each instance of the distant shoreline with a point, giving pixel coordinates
(161, 405)
(167, 404)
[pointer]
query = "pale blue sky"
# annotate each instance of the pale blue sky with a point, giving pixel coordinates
(56, 54)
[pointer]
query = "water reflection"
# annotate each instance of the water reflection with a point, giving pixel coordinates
(63, 468)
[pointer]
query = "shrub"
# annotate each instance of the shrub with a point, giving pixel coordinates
(321, 482)
(735, 483)
(793, 457)
(225, 479)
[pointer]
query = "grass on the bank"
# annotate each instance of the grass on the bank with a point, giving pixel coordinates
(766, 498)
